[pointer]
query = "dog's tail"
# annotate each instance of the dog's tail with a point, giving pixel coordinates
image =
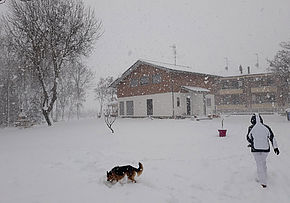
(140, 169)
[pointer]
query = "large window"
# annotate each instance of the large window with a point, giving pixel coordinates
(121, 106)
(130, 108)
(144, 80)
(156, 79)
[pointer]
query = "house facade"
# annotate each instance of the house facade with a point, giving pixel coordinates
(163, 90)
(250, 93)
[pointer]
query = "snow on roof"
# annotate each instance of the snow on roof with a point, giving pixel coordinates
(234, 71)
(156, 64)
(195, 89)
(169, 66)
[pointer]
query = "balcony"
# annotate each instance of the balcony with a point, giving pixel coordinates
(263, 89)
(231, 107)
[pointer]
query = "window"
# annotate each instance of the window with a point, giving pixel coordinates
(144, 80)
(234, 99)
(178, 102)
(263, 98)
(156, 79)
(269, 82)
(263, 81)
(130, 108)
(134, 82)
(225, 84)
(121, 106)
(208, 101)
(231, 84)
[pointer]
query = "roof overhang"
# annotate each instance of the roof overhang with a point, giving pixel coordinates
(195, 89)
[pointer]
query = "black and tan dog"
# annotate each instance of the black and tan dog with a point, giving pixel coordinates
(119, 172)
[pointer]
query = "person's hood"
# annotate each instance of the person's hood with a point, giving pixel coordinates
(256, 118)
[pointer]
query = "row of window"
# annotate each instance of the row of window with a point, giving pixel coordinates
(145, 80)
(231, 84)
(231, 99)
(236, 99)
(236, 84)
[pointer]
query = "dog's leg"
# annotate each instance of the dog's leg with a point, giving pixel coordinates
(131, 177)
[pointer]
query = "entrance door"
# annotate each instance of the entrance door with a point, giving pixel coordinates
(188, 108)
(149, 107)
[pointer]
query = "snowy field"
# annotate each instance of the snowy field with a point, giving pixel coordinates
(184, 161)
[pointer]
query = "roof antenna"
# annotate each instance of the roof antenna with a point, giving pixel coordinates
(257, 64)
(174, 52)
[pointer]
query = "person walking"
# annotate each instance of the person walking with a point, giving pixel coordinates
(258, 136)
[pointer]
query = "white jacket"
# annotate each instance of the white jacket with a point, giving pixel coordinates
(259, 135)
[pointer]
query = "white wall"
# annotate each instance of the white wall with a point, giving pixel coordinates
(162, 104)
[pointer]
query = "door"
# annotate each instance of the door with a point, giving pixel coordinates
(188, 108)
(149, 107)
(130, 108)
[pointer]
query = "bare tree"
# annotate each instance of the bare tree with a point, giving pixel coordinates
(3, 1)
(109, 120)
(66, 91)
(280, 65)
(9, 84)
(103, 93)
(48, 33)
(81, 79)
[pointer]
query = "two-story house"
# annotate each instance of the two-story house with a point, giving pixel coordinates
(164, 90)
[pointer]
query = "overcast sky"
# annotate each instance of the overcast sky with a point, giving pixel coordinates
(204, 32)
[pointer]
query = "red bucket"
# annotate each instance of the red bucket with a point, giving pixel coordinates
(223, 133)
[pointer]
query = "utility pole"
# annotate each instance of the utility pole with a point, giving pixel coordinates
(174, 52)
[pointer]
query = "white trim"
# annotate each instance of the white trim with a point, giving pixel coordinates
(194, 89)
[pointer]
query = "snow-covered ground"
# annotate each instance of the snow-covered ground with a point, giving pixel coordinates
(184, 161)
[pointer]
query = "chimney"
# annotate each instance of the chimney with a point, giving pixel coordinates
(241, 69)
(248, 69)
